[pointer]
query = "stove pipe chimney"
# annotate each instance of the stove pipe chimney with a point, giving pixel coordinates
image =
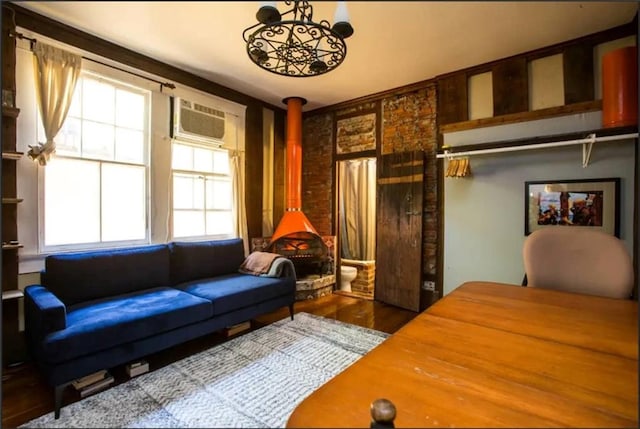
(294, 223)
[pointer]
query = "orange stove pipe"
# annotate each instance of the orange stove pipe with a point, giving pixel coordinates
(294, 153)
(294, 223)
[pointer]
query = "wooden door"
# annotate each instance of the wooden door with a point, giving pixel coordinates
(399, 229)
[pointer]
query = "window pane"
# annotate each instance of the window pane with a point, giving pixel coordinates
(98, 101)
(68, 138)
(219, 223)
(72, 202)
(221, 162)
(97, 140)
(75, 109)
(182, 158)
(188, 223)
(123, 202)
(188, 192)
(219, 194)
(129, 146)
(202, 160)
(129, 110)
(91, 201)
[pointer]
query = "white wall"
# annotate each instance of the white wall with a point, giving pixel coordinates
(484, 214)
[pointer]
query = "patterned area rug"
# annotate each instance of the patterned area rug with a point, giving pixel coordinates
(254, 380)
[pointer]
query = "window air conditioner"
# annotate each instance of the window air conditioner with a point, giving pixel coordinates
(197, 123)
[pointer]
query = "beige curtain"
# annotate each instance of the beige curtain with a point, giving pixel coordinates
(56, 73)
(239, 209)
(358, 209)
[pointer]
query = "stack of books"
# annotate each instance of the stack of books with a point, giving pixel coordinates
(137, 368)
(235, 329)
(93, 383)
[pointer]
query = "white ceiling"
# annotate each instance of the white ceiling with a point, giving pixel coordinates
(395, 43)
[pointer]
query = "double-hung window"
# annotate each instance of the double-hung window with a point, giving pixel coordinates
(95, 190)
(202, 192)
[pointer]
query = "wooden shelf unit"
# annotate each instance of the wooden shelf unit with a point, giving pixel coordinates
(12, 155)
(12, 294)
(13, 346)
(532, 115)
(10, 112)
(12, 246)
(12, 200)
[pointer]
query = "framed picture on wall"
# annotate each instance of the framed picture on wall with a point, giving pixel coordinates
(585, 203)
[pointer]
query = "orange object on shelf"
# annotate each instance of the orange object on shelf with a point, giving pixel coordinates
(620, 87)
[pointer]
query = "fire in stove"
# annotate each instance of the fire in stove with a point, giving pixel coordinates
(309, 255)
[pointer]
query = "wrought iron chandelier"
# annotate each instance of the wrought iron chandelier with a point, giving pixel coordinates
(291, 44)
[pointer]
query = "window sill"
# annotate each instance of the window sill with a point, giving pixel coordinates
(31, 263)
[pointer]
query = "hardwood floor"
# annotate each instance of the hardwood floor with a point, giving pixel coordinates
(26, 396)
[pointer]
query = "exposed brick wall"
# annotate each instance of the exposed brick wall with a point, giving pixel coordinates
(409, 123)
(364, 282)
(356, 133)
(317, 168)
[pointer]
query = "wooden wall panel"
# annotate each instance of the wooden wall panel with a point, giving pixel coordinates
(279, 161)
(253, 170)
(453, 99)
(400, 208)
(577, 65)
(510, 86)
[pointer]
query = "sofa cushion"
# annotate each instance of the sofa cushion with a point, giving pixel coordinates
(84, 276)
(234, 291)
(108, 322)
(203, 259)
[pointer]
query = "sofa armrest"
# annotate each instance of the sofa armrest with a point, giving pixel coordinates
(281, 267)
(44, 312)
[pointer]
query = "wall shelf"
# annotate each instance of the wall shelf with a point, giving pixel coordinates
(586, 138)
(11, 294)
(12, 246)
(12, 200)
(13, 155)
(531, 115)
(10, 112)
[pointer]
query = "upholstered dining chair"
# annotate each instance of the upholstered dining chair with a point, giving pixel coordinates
(578, 260)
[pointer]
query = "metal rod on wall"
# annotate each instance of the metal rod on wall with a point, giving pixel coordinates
(33, 41)
(537, 146)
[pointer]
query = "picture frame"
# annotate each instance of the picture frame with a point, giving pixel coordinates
(8, 99)
(581, 203)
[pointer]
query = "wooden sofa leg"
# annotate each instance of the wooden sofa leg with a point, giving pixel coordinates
(291, 311)
(57, 398)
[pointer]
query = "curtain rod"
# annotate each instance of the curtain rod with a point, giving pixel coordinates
(591, 139)
(33, 41)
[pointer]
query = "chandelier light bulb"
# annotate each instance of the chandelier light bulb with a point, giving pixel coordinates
(341, 25)
(268, 13)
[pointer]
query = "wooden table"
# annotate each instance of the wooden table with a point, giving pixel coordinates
(495, 355)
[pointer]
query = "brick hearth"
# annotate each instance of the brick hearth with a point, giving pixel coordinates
(312, 286)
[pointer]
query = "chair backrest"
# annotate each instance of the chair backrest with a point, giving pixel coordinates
(577, 259)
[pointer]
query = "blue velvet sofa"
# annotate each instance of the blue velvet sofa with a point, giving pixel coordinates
(100, 309)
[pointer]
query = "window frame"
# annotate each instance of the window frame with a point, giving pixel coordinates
(146, 165)
(204, 175)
